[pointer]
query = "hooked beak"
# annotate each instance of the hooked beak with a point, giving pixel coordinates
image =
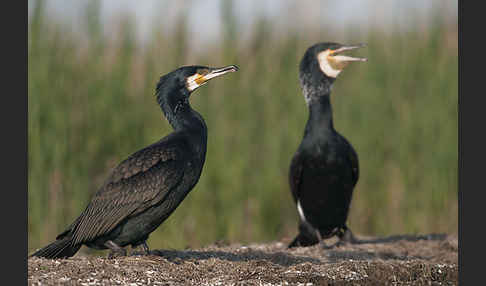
(199, 79)
(215, 72)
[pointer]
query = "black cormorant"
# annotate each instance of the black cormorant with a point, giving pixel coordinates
(324, 170)
(143, 190)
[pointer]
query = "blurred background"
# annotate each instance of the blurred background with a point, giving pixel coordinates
(92, 70)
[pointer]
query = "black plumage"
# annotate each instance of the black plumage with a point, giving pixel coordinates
(324, 170)
(143, 190)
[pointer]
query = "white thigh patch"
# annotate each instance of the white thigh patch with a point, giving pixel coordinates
(301, 212)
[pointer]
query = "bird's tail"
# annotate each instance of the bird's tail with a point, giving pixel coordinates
(61, 248)
(306, 237)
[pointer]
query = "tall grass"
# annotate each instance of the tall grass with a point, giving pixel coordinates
(91, 104)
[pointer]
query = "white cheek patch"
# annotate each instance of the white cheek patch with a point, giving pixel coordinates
(192, 82)
(326, 68)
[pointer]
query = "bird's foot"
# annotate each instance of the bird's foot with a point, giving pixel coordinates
(346, 237)
(116, 251)
(322, 244)
(140, 250)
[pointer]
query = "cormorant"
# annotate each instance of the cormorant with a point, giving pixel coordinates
(324, 169)
(144, 189)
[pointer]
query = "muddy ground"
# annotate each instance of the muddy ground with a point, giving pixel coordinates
(395, 260)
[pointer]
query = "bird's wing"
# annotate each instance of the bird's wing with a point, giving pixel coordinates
(137, 183)
(353, 158)
(295, 175)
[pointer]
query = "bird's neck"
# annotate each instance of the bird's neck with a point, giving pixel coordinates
(183, 118)
(317, 91)
(320, 115)
(186, 120)
(192, 123)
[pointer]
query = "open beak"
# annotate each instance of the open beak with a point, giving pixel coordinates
(341, 60)
(200, 79)
(332, 63)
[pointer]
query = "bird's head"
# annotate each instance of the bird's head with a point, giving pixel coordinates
(322, 63)
(327, 59)
(187, 79)
(174, 88)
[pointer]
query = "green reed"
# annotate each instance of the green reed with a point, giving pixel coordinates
(91, 104)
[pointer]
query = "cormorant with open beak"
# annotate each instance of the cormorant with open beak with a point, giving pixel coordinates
(324, 170)
(144, 190)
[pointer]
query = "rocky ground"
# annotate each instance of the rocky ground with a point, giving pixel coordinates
(395, 260)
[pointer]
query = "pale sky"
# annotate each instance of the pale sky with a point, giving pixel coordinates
(205, 15)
